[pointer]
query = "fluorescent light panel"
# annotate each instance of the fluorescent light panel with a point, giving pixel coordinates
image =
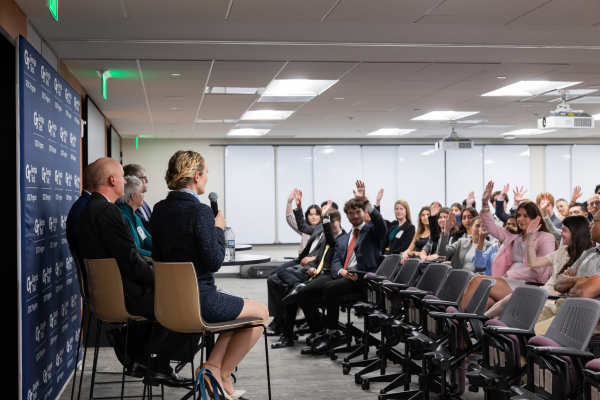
(248, 132)
(302, 88)
(490, 126)
(217, 121)
(266, 115)
(444, 115)
(529, 88)
(528, 132)
(391, 132)
(233, 90)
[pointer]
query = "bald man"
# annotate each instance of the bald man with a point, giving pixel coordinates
(593, 204)
(102, 233)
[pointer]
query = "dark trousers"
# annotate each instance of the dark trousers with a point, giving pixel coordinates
(329, 289)
(285, 265)
(291, 277)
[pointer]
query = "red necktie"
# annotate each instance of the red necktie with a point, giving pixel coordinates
(351, 248)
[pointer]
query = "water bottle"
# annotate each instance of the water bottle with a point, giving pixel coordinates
(229, 245)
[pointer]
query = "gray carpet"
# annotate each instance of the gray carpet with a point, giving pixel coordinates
(292, 376)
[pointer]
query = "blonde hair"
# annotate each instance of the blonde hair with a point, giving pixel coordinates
(183, 166)
(421, 227)
(404, 204)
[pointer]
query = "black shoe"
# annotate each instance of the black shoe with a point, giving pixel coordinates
(291, 298)
(117, 341)
(284, 341)
(307, 351)
(136, 370)
(311, 339)
(328, 342)
(274, 329)
(154, 378)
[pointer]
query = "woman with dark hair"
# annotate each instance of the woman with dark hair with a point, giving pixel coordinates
(463, 250)
(421, 236)
(466, 216)
(510, 267)
(457, 210)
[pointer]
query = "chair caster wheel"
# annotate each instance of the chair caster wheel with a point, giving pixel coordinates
(296, 337)
(366, 385)
(346, 360)
(380, 397)
(358, 379)
(382, 391)
(333, 356)
(345, 368)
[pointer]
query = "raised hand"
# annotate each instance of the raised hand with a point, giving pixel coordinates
(487, 193)
(325, 209)
(504, 191)
(379, 197)
(519, 194)
(533, 227)
(450, 223)
(359, 193)
(435, 209)
(544, 203)
(299, 199)
(470, 199)
(483, 233)
(577, 193)
(292, 195)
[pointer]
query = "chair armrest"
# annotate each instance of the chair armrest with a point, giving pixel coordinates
(395, 285)
(553, 297)
(562, 351)
(508, 331)
(418, 293)
(375, 278)
(289, 258)
(442, 315)
(534, 283)
(432, 302)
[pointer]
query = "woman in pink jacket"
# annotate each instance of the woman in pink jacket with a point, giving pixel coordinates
(510, 269)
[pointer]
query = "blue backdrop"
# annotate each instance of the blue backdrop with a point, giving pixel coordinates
(49, 184)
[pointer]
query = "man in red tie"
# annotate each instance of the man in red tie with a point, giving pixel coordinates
(357, 250)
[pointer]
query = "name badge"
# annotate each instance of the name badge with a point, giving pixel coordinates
(141, 232)
(399, 234)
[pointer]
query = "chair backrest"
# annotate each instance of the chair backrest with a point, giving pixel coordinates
(477, 304)
(82, 284)
(524, 307)
(176, 297)
(434, 276)
(107, 298)
(574, 323)
(388, 265)
(454, 286)
(408, 272)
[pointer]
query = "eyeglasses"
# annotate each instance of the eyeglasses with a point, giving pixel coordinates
(594, 203)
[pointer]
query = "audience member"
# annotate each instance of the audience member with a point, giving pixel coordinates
(457, 210)
(400, 232)
(582, 279)
(355, 251)
(562, 206)
(291, 220)
(597, 190)
(429, 252)
(144, 212)
(593, 205)
(469, 202)
(504, 201)
(128, 204)
(517, 199)
(185, 230)
(463, 250)
(468, 214)
(550, 202)
(546, 209)
(102, 233)
(510, 266)
(577, 209)
(421, 236)
(483, 259)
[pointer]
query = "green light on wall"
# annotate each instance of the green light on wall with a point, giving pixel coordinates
(104, 75)
(53, 8)
(137, 142)
(104, 86)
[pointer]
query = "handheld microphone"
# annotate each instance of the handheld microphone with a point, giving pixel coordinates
(213, 203)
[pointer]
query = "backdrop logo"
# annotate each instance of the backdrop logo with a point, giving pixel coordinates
(47, 275)
(68, 95)
(47, 375)
(77, 180)
(59, 357)
(39, 331)
(32, 393)
(58, 175)
(69, 345)
(30, 172)
(73, 301)
(51, 128)
(38, 121)
(64, 309)
(32, 283)
(30, 62)
(76, 104)
(46, 173)
(73, 140)
(58, 87)
(68, 179)
(52, 223)
(63, 225)
(54, 319)
(38, 226)
(45, 75)
(59, 268)
(63, 134)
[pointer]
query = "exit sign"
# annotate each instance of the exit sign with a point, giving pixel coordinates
(53, 8)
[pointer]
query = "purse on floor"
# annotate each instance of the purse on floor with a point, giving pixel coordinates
(204, 375)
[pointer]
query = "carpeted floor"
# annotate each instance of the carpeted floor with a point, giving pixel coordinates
(293, 376)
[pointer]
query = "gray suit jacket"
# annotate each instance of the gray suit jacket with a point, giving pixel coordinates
(457, 250)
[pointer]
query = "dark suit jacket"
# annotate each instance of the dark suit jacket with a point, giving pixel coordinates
(102, 233)
(139, 213)
(399, 244)
(366, 247)
(332, 243)
(72, 224)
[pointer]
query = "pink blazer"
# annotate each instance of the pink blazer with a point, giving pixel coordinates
(544, 245)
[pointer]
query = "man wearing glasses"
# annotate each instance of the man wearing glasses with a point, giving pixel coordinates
(593, 205)
(144, 211)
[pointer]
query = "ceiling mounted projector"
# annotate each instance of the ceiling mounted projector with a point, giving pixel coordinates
(454, 142)
(566, 118)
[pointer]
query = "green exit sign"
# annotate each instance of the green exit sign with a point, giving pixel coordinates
(53, 8)
(104, 86)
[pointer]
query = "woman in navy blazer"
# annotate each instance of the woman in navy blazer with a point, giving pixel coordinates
(185, 230)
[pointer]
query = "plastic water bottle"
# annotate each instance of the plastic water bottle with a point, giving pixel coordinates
(229, 245)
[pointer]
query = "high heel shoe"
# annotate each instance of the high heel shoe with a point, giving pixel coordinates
(238, 393)
(207, 385)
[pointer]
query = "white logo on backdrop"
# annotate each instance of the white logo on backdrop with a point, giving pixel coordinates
(46, 275)
(51, 128)
(63, 134)
(39, 331)
(54, 319)
(58, 175)
(45, 75)
(46, 173)
(68, 179)
(76, 104)
(47, 375)
(32, 283)
(58, 87)
(30, 62)
(73, 140)
(38, 226)
(63, 225)
(38, 121)
(59, 268)
(30, 172)
(68, 95)
(77, 180)
(52, 222)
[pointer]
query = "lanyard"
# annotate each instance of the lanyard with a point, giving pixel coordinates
(321, 264)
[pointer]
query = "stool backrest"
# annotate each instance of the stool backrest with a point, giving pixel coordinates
(408, 272)
(107, 298)
(389, 265)
(82, 284)
(433, 277)
(574, 323)
(176, 297)
(454, 286)
(524, 307)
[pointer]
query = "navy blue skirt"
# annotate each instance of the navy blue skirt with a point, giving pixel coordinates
(216, 306)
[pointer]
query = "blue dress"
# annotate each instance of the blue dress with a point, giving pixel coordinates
(183, 230)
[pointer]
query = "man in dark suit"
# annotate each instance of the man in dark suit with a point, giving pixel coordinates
(102, 233)
(73, 219)
(357, 250)
(144, 211)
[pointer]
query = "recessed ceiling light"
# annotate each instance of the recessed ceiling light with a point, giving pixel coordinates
(391, 132)
(266, 115)
(302, 89)
(528, 132)
(174, 108)
(248, 132)
(444, 115)
(217, 121)
(509, 137)
(501, 77)
(175, 74)
(526, 105)
(339, 98)
(174, 98)
(529, 88)
(469, 121)
(233, 90)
